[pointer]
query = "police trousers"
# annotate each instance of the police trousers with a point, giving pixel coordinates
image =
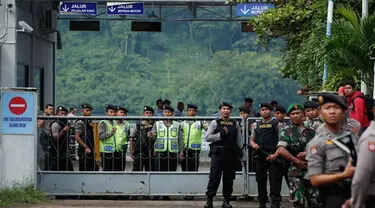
(166, 161)
(57, 162)
(221, 166)
(335, 196)
(143, 161)
(115, 161)
(274, 171)
(87, 162)
(191, 160)
(370, 203)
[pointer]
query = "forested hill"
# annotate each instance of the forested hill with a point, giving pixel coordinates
(194, 62)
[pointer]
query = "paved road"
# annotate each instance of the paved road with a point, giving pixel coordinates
(143, 203)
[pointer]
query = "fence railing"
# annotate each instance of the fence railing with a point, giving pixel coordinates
(66, 167)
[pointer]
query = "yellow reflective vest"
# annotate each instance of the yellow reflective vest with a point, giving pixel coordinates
(167, 137)
(118, 141)
(192, 134)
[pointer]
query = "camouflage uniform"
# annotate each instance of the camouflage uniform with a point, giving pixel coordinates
(314, 124)
(295, 139)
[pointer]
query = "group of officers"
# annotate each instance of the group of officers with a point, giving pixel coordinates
(306, 151)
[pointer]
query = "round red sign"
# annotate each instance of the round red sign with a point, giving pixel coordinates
(17, 105)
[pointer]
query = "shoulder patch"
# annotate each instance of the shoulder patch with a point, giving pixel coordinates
(313, 150)
(329, 142)
(354, 130)
(371, 146)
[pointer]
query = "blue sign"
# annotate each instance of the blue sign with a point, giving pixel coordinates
(253, 9)
(78, 8)
(125, 8)
(18, 113)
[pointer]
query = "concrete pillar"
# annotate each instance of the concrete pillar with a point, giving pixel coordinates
(8, 38)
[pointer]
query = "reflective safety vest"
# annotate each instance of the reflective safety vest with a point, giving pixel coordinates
(118, 141)
(192, 135)
(167, 137)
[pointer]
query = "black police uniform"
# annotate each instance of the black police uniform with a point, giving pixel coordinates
(87, 161)
(266, 136)
(144, 147)
(58, 155)
(224, 154)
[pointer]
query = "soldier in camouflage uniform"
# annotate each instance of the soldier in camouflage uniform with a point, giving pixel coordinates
(312, 113)
(292, 143)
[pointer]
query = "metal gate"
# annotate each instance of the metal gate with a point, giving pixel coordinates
(132, 183)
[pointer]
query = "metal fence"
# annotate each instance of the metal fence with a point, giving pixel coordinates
(67, 168)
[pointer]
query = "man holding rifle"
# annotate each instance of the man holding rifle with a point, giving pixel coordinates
(291, 146)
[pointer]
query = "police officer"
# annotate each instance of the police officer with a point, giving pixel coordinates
(59, 157)
(140, 145)
(192, 138)
(106, 132)
(280, 113)
(168, 142)
(224, 134)
(329, 167)
(84, 135)
(312, 113)
(264, 139)
(248, 102)
(363, 185)
(121, 140)
(291, 146)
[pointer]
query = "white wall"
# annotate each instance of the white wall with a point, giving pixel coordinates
(37, 49)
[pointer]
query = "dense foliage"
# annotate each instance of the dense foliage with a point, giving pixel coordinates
(302, 24)
(193, 62)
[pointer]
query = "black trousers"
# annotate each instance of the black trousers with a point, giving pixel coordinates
(115, 161)
(143, 161)
(191, 160)
(285, 171)
(166, 161)
(61, 162)
(275, 175)
(221, 166)
(87, 162)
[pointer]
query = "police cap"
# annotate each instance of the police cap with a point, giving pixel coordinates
(225, 104)
(244, 109)
(332, 98)
(123, 109)
(72, 109)
(148, 108)
(86, 105)
(192, 106)
(166, 101)
(274, 102)
(280, 108)
(61, 108)
(111, 107)
(248, 100)
(310, 104)
(168, 107)
(266, 105)
(294, 106)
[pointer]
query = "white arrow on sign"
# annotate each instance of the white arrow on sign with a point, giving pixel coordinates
(65, 9)
(112, 9)
(244, 10)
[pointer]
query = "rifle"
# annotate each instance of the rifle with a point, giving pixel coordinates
(261, 154)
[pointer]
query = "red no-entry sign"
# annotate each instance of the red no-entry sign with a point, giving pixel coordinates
(17, 105)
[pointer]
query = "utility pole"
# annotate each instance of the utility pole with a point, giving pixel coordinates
(328, 33)
(364, 15)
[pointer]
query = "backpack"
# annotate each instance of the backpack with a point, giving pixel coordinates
(368, 105)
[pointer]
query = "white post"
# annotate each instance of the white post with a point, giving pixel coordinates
(8, 37)
(364, 14)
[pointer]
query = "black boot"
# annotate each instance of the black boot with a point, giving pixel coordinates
(226, 203)
(209, 203)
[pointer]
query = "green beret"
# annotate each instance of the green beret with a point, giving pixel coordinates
(294, 106)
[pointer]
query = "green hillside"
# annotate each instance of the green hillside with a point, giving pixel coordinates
(194, 62)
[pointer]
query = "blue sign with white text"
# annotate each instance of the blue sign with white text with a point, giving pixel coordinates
(253, 9)
(125, 8)
(78, 8)
(18, 113)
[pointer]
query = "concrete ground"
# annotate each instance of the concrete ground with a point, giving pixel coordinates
(144, 203)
